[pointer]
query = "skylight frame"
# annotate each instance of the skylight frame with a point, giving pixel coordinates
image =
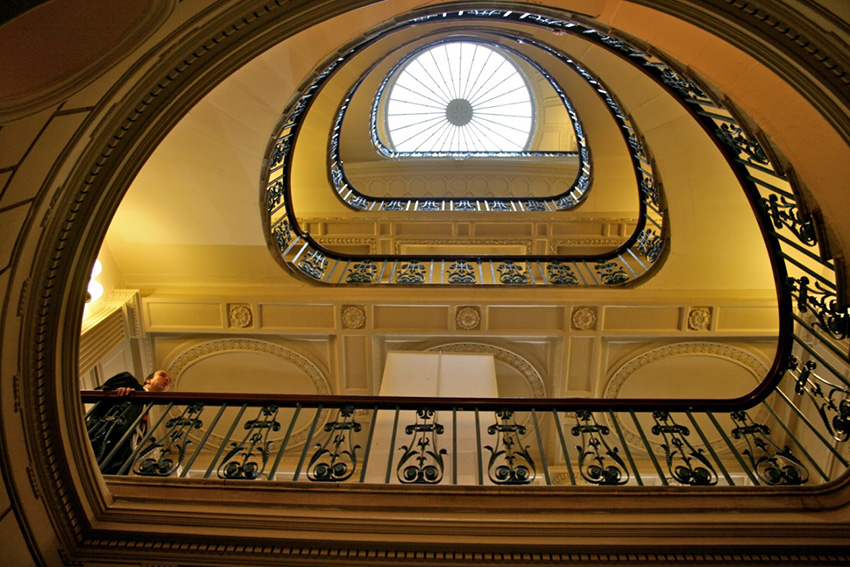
(572, 196)
(468, 88)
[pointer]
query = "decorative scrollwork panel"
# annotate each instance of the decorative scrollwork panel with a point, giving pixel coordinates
(510, 461)
(422, 460)
(772, 464)
(686, 464)
(335, 459)
(247, 459)
(162, 457)
(598, 461)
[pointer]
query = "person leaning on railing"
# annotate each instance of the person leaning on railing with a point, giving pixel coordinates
(110, 420)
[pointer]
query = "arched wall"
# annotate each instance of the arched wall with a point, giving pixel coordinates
(66, 168)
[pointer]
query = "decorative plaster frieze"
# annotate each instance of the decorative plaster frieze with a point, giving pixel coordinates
(330, 241)
(399, 243)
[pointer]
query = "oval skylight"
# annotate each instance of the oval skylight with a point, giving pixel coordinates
(459, 97)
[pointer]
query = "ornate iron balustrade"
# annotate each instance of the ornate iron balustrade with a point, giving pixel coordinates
(796, 436)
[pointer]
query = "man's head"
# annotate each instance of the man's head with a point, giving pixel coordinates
(158, 381)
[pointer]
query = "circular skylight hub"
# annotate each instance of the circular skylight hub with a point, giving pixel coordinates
(459, 97)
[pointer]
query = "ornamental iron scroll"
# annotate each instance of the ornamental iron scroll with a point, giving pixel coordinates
(832, 401)
(103, 427)
(823, 304)
(247, 459)
(282, 235)
(650, 191)
(314, 264)
(274, 195)
(510, 461)
(422, 460)
(335, 460)
(611, 273)
(785, 213)
(461, 272)
(560, 273)
(163, 457)
(735, 137)
(772, 465)
(412, 272)
(598, 461)
(686, 464)
(512, 273)
(362, 272)
(685, 86)
(650, 244)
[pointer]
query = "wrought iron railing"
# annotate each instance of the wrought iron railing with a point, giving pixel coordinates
(795, 436)
(295, 248)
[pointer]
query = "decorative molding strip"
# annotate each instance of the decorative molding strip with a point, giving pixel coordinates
(398, 244)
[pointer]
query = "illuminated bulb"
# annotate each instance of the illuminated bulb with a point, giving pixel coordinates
(98, 267)
(95, 289)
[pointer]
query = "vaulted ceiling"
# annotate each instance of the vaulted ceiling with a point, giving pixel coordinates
(189, 233)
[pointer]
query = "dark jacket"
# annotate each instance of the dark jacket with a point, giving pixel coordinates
(110, 420)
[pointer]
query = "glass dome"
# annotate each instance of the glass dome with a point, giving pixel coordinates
(459, 97)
